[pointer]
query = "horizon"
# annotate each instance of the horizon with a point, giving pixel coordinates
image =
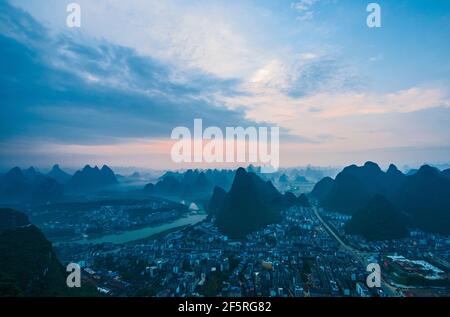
(131, 169)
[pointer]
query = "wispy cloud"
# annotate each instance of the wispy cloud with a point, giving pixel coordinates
(304, 9)
(91, 91)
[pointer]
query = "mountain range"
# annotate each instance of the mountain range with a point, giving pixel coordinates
(424, 196)
(192, 184)
(22, 186)
(91, 178)
(25, 186)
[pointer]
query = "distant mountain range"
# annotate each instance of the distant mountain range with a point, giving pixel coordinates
(59, 175)
(91, 178)
(30, 186)
(192, 184)
(424, 195)
(28, 264)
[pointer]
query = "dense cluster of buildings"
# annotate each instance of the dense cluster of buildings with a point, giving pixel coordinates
(297, 257)
(418, 265)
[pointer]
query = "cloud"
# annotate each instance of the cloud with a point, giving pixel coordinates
(194, 36)
(69, 89)
(133, 72)
(351, 104)
(304, 9)
(316, 96)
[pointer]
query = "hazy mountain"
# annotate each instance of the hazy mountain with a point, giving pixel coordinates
(425, 195)
(301, 179)
(283, 178)
(192, 184)
(289, 200)
(31, 173)
(221, 178)
(394, 177)
(247, 206)
(284, 201)
(59, 175)
(322, 188)
(198, 186)
(378, 220)
(167, 186)
(355, 185)
(92, 178)
(135, 175)
(28, 186)
(217, 200)
(28, 264)
(446, 173)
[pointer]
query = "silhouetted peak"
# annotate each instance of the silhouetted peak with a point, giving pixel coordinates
(31, 170)
(135, 174)
(106, 168)
(87, 168)
(56, 167)
(326, 180)
(412, 172)
(14, 172)
(372, 166)
(251, 168)
(150, 187)
(446, 173)
(216, 200)
(241, 172)
(427, 170)
(58, 174)
(393, 170)
(92, 177)
(247, 206)
(349, 168)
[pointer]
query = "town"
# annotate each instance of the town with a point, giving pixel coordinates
(301, 256)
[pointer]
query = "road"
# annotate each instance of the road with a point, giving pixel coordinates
(363, 257)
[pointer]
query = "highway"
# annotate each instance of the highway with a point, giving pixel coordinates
(363, 257)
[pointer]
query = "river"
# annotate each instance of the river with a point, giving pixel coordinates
(142, 233)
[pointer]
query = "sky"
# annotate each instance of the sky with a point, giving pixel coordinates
(111, 91)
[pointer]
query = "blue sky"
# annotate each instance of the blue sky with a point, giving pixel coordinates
(112, 90)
